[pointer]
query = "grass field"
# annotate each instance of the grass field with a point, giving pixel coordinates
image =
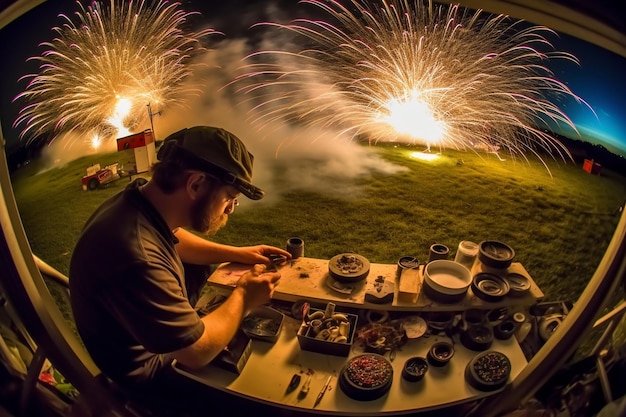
(558, 224)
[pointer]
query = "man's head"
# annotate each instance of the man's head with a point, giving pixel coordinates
(214, 151)
(213, 166)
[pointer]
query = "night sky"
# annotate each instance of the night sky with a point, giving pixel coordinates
(599, 79)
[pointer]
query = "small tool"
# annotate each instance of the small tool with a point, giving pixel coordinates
(305, 388)
(275, 262)
(293, 384)
(321, 394)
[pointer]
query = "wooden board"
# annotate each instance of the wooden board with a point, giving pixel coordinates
(308, 278)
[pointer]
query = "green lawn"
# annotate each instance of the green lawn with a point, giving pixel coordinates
(558, 224)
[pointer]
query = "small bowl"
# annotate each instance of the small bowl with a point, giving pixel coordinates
(348, 267)
(489, 287)
(495, 254)
(477, 338)
(519, 284)
(488, 371)
(375, 373)
(505, 330)
(446, 281)
(439, 320)
(414, 369)
(263, 323)
(440, 354)
(406, 262)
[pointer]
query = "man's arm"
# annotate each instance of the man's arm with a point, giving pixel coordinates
(194, 249)
(254, 288)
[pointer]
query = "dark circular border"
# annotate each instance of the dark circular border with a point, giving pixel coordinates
(342, 276)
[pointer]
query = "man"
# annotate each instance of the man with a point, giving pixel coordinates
(130, 290)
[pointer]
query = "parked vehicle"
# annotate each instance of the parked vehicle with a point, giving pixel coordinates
(97, 177)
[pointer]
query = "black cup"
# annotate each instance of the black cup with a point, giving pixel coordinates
(295, 246)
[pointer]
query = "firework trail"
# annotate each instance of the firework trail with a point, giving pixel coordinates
(403, 70)
(124, 56)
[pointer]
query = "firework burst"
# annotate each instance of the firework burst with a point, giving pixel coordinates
(404, 70)
(124, 56)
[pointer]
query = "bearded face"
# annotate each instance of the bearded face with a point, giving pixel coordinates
(205, 215)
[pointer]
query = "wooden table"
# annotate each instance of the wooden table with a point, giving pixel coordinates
(308, 278)
(271, 366)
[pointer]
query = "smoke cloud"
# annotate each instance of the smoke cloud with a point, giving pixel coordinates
(288, 156)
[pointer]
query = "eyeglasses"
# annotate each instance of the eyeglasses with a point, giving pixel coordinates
(232, 202)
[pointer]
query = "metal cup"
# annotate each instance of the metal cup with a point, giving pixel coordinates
(438, 251)
(295, 246)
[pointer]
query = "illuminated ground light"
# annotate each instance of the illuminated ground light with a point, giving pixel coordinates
(425, 156)
(413, 72)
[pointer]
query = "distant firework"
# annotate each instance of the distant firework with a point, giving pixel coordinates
(98, 75)
(404, 70)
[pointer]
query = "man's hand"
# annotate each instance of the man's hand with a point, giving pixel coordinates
(258, 286)
(260, 254)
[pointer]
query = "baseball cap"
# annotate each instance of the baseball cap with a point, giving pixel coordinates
(215, 151)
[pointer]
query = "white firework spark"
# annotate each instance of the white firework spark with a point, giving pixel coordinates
(134, 53)
(398, 70)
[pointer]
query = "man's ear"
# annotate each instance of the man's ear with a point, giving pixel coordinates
(195, 182)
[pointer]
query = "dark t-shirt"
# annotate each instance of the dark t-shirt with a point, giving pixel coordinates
(128, 291)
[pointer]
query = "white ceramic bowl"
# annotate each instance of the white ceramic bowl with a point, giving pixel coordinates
(447, 277)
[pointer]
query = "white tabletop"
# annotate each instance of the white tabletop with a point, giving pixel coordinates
(270, 367)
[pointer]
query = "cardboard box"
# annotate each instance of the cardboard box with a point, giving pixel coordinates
(234, 356)
(308, 341)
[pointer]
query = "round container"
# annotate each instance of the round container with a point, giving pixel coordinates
(477, 338)
(414, 327)
(497, 316)
(446, 281)
(548, 325)
(489, 287)
(440, 354)
(439, 320)
(407, 262)
(366, 377)
(472, 317)
(438, 251)
(466, 253)
(295, 246)
(348, 267)
(414, 369)
(495, 254)
(488, 371)
(505, 330)
(519, 285)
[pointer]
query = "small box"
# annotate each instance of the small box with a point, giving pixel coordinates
(234, 356)
(263, 323)
(309, 342)
(409, 285)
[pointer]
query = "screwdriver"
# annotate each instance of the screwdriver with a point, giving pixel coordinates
(305, 388)
(321, 394)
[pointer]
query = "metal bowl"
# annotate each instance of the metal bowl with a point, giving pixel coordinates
(447, 277)
(490, 287)
(495, 254)
(518, 283)
(348, 267)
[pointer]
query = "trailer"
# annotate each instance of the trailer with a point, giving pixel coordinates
(143, 146)
(97, 177)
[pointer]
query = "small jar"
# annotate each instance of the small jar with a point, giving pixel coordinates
(466, 253)
(438, 251)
